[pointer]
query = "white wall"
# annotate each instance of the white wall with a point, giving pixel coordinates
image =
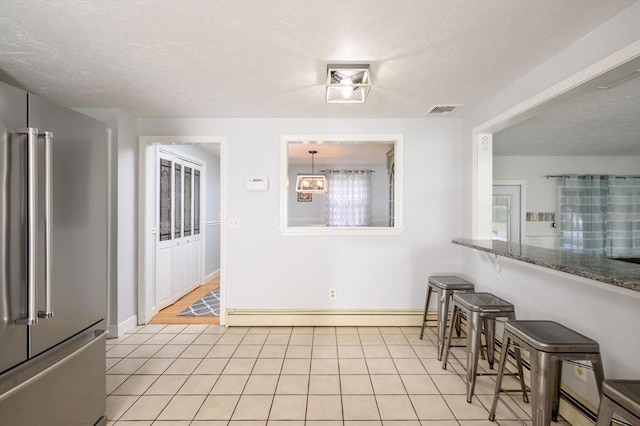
(542, 193)
(608, 316)
(264, 270)
(127, 216)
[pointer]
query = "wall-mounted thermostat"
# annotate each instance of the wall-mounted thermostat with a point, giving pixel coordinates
(257, 183)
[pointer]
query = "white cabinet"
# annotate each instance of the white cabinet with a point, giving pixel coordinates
(179, 218)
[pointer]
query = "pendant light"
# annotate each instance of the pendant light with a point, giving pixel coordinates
(311, 182)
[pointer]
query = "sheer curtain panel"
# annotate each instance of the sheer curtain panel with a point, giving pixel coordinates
(348, 200)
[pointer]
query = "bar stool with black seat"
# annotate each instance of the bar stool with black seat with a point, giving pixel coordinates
(482, 310)
(444, 286)
(621, 397)
(548, 344)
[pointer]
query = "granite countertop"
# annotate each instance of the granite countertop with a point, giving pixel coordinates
(614, 272)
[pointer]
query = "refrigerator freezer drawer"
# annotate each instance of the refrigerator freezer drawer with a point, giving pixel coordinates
(64, 386)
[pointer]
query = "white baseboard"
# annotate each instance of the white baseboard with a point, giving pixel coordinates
(214, 274)
(291, 317)
(117, 330)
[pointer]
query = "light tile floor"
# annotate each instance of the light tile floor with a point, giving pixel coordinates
(292, 376)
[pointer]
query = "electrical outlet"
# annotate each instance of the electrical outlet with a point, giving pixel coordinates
(234, 223)
(580, 372)
(535, 241)
(332, 293)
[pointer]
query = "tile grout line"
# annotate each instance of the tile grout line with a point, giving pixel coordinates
(192, 374)
(408, 346)
(176, 359)
(158, 332)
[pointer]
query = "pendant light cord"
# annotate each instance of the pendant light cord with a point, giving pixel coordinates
(313, 153)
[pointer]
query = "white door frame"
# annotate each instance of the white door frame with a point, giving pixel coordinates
(523, 201)
(146, 246)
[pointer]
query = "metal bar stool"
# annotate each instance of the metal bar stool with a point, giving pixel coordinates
(622, 397)
(445, 286)
(548, 344)
(481, 310)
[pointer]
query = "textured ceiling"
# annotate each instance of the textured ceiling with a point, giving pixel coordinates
(587, 121)
(336, 153)
(250, 58)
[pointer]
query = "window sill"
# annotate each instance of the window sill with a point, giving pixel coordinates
(337, 231)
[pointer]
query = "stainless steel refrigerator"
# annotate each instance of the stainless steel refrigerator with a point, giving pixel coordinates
(53, 263)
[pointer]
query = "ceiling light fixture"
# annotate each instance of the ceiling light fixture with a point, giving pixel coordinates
(311, 182)
(348, 83)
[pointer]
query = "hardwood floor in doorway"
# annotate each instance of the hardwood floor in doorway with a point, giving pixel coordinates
(169, 315)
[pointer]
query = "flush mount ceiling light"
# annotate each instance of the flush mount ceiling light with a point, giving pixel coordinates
(348, 83)
(311, 182)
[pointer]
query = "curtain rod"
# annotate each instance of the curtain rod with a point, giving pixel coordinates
(352, 170)
(586, 176)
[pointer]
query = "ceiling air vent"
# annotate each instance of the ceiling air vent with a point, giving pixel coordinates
(443, 109)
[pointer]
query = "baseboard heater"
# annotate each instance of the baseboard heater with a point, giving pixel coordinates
(319, 318)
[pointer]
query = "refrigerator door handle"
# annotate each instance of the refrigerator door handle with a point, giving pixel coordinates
(48, 311)
(32, 139)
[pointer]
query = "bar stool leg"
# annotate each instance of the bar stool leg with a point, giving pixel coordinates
(426, 307)
(447, 347)
(490, 333)
(557, 380)
(598, 371)
(605, 412)
(506, 341)
(542, 385)
(473, 350)
(458, 325)
(443, 316)
(525, 398)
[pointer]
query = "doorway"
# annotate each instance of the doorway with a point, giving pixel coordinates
(191, 224)
(180, 185)
(507, 212)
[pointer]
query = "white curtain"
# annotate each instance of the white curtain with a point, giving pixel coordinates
(348, 200)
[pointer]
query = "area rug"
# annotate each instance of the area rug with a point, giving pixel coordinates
(208, 306)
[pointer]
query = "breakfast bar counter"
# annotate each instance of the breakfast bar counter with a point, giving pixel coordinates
(608, 271)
